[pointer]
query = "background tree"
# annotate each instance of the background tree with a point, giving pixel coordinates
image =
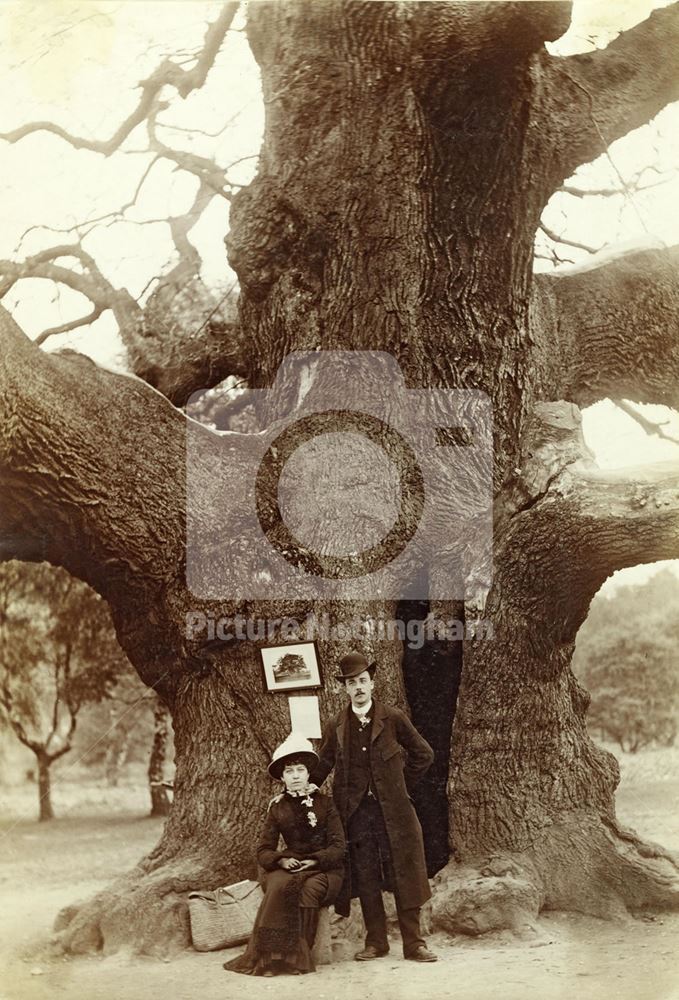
(409, 153)
(58, 651)
(130, 726)
(626, 656)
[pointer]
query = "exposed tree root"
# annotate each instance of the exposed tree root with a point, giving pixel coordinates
(144, 912)
(583, 863)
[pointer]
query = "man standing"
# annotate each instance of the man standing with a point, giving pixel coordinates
(378, 756)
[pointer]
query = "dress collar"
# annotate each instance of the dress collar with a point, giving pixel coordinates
(309, 790)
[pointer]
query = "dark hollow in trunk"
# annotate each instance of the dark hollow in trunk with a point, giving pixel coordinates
(432, 678)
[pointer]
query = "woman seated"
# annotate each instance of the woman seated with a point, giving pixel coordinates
(304, 876)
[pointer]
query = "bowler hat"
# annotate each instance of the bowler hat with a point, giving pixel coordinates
(353, 664)
(295, 747)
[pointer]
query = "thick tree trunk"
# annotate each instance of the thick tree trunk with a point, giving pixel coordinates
(531, 795)
(391, 211)
(415, 237)
(44, 788)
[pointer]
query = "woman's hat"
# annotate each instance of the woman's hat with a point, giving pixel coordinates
(353, 664)
(295, 746)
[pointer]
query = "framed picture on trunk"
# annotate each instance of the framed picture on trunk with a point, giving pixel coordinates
(291, 666)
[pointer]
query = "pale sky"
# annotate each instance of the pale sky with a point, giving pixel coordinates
(76, 63)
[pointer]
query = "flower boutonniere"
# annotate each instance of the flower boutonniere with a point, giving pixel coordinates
(311, 815)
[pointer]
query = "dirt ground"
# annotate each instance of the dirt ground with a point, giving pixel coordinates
(102, 833)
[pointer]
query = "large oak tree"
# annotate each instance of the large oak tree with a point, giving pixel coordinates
(409, 152)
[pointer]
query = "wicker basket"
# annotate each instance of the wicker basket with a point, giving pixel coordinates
(225, 916)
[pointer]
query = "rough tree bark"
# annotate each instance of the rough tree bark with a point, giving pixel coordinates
(160, 803)
(409, 151)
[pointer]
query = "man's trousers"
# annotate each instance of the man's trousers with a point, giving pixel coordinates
(371, 869)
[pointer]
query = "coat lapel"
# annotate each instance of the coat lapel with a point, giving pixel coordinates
(378, 721)
(343, 733)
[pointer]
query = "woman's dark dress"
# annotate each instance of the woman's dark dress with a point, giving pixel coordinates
(311, 828)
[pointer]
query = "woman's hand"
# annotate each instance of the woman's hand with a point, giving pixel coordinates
(290, 864)
(293, 865)
(307, 863)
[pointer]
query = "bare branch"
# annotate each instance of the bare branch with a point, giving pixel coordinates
(168, 73)
(190, 262)
(207, 171)
(594, 98)
(180, 361)
(567, 242)
(84, 228)
(629, 188)
(92, 284)
(651, 427)
(7, 701)
(73, 325)
(13, 272)
(107, 146)
(614, 325)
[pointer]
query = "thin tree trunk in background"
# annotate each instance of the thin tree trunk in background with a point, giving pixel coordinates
(116, 751)
(44, 787)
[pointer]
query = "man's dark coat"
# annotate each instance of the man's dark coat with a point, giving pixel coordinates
(399, 757)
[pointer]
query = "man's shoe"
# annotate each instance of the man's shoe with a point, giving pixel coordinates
(422, 954)
(368, 953)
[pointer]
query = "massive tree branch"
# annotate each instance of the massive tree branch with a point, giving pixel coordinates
(168, 73)
(615, 329)
(594, 98)
(588, 524)
(616, 519)
(92, 470)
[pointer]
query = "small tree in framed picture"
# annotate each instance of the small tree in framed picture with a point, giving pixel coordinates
(291, 666)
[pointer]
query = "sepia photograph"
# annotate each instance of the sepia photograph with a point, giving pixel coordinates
(339, 499)
(292, 666)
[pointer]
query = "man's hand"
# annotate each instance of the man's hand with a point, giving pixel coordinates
(308, 863)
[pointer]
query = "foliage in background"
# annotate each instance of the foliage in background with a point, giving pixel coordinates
(58, 652)
(626, 655)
